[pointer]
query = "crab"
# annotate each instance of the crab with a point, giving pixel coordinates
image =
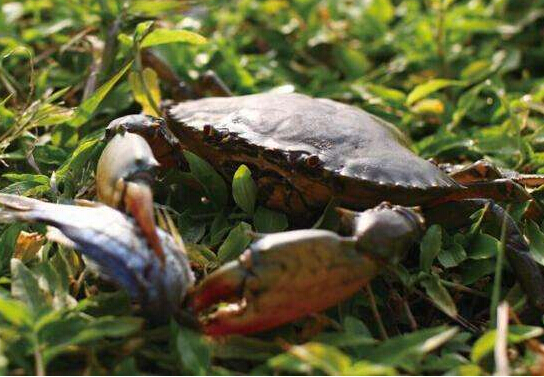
(303, 152)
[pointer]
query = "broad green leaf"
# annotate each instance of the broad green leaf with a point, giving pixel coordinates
(191, 231)
(469, 370)
(26, 184)
(430, 247)
(244, 189)
(193, 351)
(288, 363)
(352, 62)
(344, 339)
(162, 36)
(452, 256)
(269, 221)
(211, 181)
(64, 334)
(443, 363)
(325, 358)
(86, 109)
(142, 29)
(154, 8)
(235, 243)
(366, 368)
(42, 179)
(8, 240)
(15, 312)
(355, 334)
(199, 254)
(245, 348)
(439, 295)
(483, 246)
(151, 83)
(79, 158)
(536, 241)
(381, 10)
(219, 229)
(406, 348)
(429, 106)
(423, 90)
(380, 94)
(483, 346)
(25, 287)
(516, 334)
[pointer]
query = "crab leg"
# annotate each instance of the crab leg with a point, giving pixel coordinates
(483, 170)
(111, 239)
(528, 272)
(285, 276)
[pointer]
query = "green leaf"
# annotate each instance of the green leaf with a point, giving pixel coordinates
(155, 8)
(516, 334)
(327, 359)
(193, 351)
(162, 36)
(244, 189)
(235, 243)
(366, 368)
(244, 348)
(62, 335)
(423, 90)
(269, 221)
(151, 83)
(439, 295)
(15, 312)
(536, 241)
(407, 348)
(25, 287)
(26, 184)
(452, 256)
(430, 247)
(219, 229)
(86, 109)
(483, 246)
(211, 181)
(8, 240)
(79, 158)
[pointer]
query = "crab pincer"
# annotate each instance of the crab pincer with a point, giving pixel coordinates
(112, 241)
(285, 276)
(124, 174)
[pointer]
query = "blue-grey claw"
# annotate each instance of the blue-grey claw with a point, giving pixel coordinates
(112, 240)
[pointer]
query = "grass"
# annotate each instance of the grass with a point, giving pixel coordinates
(463, 79)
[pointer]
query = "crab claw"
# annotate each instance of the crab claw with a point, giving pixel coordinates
(123, 178)
(285, 276)
(282, 277)
(111, 240)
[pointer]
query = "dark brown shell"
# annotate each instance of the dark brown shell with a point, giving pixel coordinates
(351, 144)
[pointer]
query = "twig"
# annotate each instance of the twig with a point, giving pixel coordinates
(500, 351)
(38, 358)
(498, 274)
(462, 288)
(376, 313)
(411, 320)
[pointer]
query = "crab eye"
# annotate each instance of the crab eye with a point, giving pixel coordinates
(312, 161)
